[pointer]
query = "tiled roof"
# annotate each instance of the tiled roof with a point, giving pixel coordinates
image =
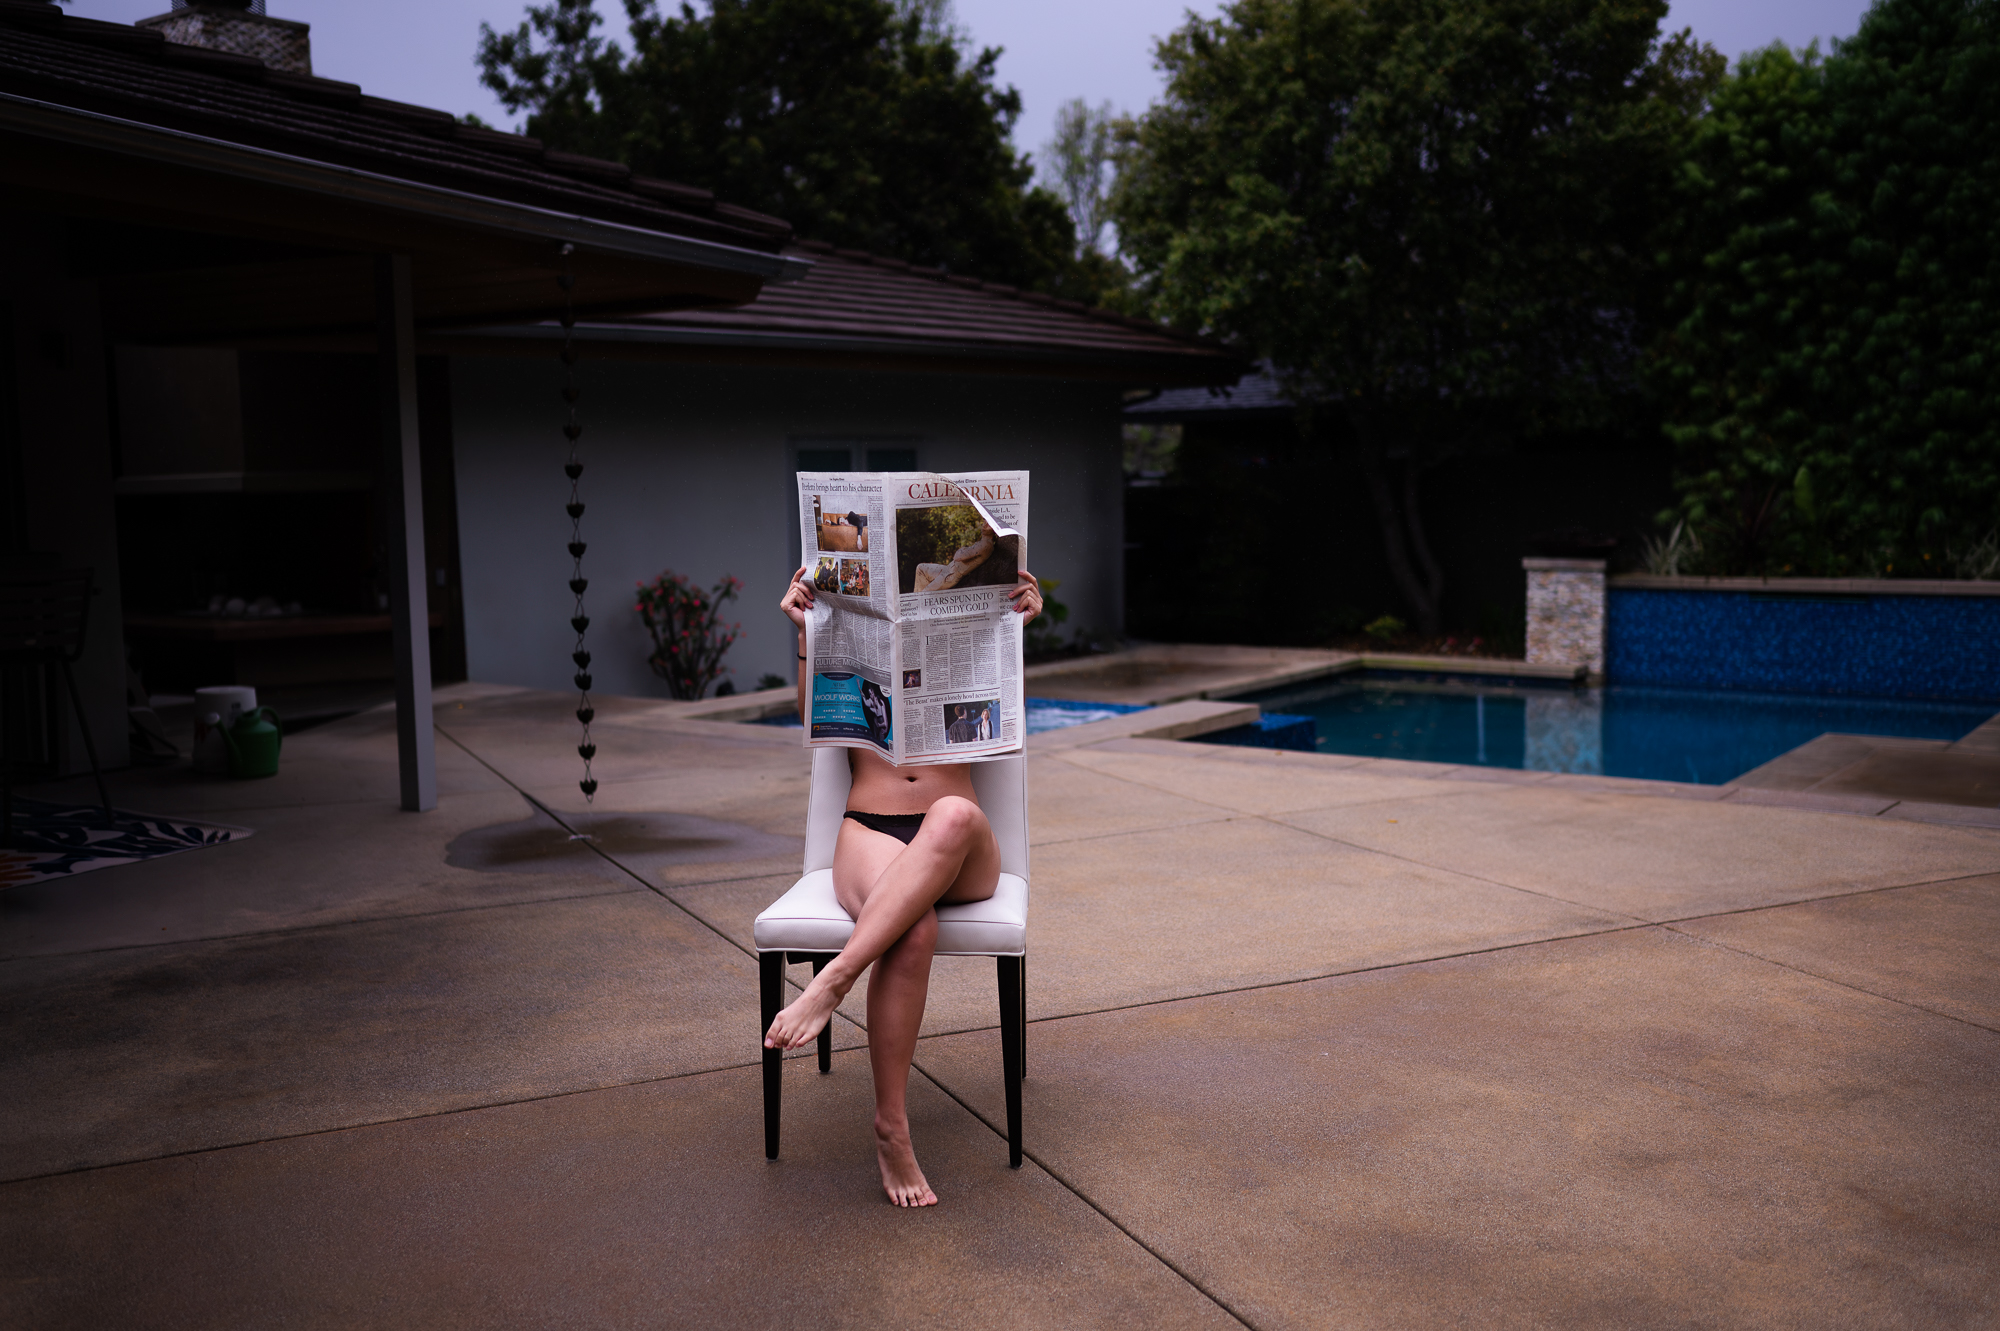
(862, 303)
(1257, 391)
(135, 74)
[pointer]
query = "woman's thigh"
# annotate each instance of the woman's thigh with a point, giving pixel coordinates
(979, 874)
(859, 857)
(862, 854)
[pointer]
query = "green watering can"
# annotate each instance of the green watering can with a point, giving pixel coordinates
(253, 743)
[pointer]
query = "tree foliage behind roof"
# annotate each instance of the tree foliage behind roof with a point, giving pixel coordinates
(864, 123)
(1832, 369)
(1404, 201)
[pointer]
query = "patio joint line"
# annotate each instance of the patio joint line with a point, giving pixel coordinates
(1237, 813)
(1274, 820)
(1828, 979)
(1471, 788)
(1134, 831)
(733, 878)
(1085, 1198)
(806, 1055)
(1313, 979)
(1669, 922)
(1665, 920)
(326, 924)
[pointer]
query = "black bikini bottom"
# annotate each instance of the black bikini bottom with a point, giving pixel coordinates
(902, 826)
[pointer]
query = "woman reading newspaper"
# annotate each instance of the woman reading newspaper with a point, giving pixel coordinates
(913, 837)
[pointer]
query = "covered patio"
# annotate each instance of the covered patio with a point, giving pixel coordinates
(1313, 1041)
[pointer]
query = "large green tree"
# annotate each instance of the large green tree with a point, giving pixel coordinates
(1429, 214)
(1831, 373)
(864, 123)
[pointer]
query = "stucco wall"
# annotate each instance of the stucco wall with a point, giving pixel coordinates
(690, 468)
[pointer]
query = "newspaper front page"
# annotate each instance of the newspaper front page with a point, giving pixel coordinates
(913, 649)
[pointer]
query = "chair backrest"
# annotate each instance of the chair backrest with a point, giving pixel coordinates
(1000, 784)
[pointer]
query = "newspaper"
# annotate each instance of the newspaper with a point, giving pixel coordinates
(913, 649)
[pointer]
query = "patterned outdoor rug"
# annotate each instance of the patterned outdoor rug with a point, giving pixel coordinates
(60, 840)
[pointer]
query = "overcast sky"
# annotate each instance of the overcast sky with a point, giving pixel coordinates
(421, 50)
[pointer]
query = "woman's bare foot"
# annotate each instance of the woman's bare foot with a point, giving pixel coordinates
(801, 1022)
(901, 1178)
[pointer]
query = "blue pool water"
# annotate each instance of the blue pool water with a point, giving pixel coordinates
(1043, 714)
(1659, 733)
(1060, 713)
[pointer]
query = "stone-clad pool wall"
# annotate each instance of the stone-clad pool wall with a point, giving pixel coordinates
(1848, 638)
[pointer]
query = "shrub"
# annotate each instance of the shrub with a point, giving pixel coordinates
(688, 635)
(1044, 637)
(1385, 629)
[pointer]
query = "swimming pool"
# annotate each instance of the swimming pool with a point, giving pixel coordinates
(1660, 733)
(1043, 714)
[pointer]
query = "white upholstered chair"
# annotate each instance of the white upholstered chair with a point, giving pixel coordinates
(808, 924)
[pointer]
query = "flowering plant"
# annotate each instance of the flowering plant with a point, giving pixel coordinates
(688, 635)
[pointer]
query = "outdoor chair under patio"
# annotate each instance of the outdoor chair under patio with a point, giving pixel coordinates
(808, 924)
(43, 615)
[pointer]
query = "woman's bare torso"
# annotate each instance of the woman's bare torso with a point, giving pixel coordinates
(882, 787)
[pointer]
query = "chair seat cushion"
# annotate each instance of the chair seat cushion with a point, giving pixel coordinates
(809, 919)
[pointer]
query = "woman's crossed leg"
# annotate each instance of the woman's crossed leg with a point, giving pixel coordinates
(891, 890)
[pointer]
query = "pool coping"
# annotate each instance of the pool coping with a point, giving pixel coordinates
(1283, 666)
(1865, 806)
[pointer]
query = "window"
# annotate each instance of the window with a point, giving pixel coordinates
(826, 459)
(892, 459)
(849, 452)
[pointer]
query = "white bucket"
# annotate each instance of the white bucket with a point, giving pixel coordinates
(226, 702)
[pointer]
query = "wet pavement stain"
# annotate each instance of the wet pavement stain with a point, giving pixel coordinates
(639, 841)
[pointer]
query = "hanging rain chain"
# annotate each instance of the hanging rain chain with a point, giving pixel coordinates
(573, 469)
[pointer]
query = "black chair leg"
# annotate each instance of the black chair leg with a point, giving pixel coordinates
(771, 984)
(826, 1031)
(89, 746)
(1023, 1057)
(1011, 1059)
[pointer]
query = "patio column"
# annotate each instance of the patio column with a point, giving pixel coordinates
(1566, 612)
(403, 537)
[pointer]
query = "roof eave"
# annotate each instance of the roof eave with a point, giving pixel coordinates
(1194, 365)
(95, 131)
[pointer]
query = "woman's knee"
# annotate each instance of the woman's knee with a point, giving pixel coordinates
(919, 940)
(957, 819)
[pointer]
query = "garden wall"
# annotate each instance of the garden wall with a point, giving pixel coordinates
(1854, 637)
(1226, 551)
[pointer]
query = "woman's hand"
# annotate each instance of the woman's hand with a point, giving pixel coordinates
(798, 601)
(1026, 596)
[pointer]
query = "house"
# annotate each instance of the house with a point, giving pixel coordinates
(288, 378)
(695, 421)
(172, 214)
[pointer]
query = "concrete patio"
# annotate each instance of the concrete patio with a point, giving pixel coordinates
(1314, 1042)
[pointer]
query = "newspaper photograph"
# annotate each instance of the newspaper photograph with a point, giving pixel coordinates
(912, 647)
